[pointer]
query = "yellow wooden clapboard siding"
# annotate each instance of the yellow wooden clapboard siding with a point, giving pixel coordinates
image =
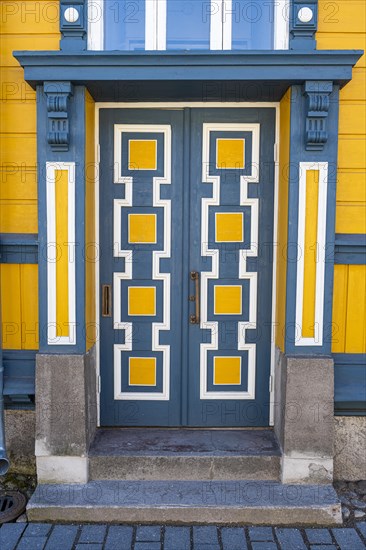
(10, 306)
(339, 308)
(351, 151)
(356, 310)
(351, 186)
(18, 150)
(351, 217)
(11, 42)
(16, 183)
(282, 219)
(352, 118)
(13, 86)
(36, 17)
(29, 305)
(356, 89)
(342, 41)
(91, 251)
(342, 16)
(17, 117)
(18, 217)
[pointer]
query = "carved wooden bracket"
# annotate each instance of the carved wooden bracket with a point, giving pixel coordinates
(58, 94)
(317, 94)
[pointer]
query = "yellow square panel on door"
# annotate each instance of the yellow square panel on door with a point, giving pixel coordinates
(227, 300)
(229, 227)
(142, 154)
(142, 371)
(230, 154)
(142, 228)
(141, 300)
(227, 370)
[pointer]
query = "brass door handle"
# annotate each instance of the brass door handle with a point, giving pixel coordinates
(106, 300)
(195, 318)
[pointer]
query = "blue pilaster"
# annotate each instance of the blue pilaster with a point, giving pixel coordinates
(73, 25)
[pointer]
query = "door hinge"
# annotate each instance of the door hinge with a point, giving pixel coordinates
(275, 152)
(271, 384)
(99, 384)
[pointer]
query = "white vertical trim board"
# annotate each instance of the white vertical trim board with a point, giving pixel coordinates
(304, 167)
(52, 338)
(95, 25)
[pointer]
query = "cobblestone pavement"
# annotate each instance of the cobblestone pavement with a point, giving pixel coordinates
(39, 536)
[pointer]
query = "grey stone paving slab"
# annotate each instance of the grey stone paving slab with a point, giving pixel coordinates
(93, 533)
(148, 533)
(32, 543)
(260, 534)
(348, 539)
(177, 538)
(89, 546)
(361, 526)
(205, 535)
(324, 547)
(147, 546)
(290, 539)
(62, 537)
(10, 533)
(233, 538)
(37, 530)
(119, 537)
(318, 536)
(264, 546)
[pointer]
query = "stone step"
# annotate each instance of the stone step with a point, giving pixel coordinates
(184, 454)
(186, 502)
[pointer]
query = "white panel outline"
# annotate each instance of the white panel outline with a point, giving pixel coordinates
(129, 371)
(214, 368)
(242, 222)
(52, 338)
(241, 299)
(119, 129)
(156, 25)
(304, 167)
(156, 228)
(142, 169)
(190, 104)
(207, 128)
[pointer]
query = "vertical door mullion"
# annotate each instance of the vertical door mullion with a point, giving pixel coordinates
(161, 18)
(151, 24)
(216, 25)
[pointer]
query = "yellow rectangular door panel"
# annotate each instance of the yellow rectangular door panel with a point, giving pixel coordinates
(227, 300)
(230, 153)
(227, 370)
(229, 227)
(142, 371)
(141, 300)
(142, 228)
(142, 154)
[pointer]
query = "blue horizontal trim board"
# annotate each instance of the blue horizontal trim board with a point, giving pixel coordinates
(18, 248)
(350, 249)
(350, 384)
(19, 377)
(289, 66)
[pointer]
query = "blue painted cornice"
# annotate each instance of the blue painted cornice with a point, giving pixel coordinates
(286, 66)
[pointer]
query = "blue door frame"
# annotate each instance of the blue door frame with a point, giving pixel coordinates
(186, 402)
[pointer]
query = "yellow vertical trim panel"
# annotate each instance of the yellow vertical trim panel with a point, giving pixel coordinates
(10, 306)
(282, 219)
(62, 262)
(29, 305)
(356, 310)
(339, 308)
(310, 253)
(91, 252)
(142, 371)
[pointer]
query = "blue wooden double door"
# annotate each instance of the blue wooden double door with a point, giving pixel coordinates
(186, 261)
